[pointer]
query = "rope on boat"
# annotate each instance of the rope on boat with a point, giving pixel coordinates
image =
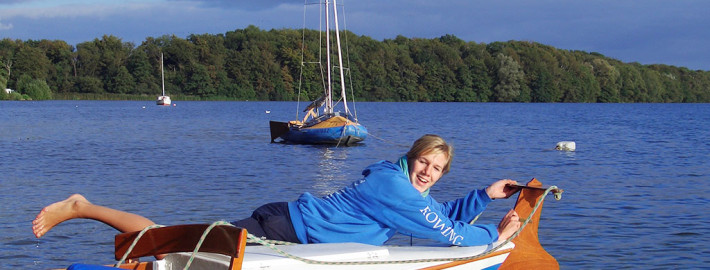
(202, 239)
(271, 243)
(386, 141)
(135, 241)
(557, 193)
(341, 135)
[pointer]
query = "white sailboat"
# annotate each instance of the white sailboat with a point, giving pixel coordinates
(163, 100)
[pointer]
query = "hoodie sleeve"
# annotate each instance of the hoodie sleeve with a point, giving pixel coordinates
(403, 208)
(464, 209)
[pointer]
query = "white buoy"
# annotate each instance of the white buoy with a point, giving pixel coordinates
(566, 146)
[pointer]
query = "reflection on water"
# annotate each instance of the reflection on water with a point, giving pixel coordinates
(330, 170)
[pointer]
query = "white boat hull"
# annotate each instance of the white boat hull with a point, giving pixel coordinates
(523, 252)
(163, 101)
(261, 257)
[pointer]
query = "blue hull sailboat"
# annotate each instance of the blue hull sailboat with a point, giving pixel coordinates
(326, 129)
(322, 123)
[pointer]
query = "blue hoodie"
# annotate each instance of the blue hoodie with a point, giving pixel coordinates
(373, 209)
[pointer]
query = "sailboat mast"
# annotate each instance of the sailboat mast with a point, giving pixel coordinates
(329, 88)
(340, 58)
(162, 73)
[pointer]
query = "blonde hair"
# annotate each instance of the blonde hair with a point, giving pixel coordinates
(431, 144)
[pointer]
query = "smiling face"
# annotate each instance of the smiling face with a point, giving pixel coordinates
(425, 170)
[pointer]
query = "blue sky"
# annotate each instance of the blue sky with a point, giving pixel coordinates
(672, 32)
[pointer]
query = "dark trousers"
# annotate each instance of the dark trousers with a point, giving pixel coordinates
(272, 221)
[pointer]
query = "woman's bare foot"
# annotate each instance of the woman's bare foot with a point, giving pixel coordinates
(56, 213)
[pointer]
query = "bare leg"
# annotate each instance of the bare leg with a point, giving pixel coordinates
(76, 206)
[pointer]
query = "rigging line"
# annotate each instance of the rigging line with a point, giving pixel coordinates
(390, 142)
(300, 73)
(341, 135)
(338, 102)
(321, 6)
(340, 58)
(352, 92)
(329, 67)
(347, 59)
(303, 50)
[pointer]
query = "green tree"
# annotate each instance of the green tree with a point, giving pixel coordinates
(60, 72)
(199, 83)
(113, 54)
(15, 96)
(123, 82)
(253, 64)
(653, 85)
(88, 84)
(631, 83)
(87, 59)
(509, 76)
(31, 61)
(138, 65)
(543, 88)
(3, 79)
(3, 83)
(8, 49)
(475, 57)
(608, 78)
(36, 89)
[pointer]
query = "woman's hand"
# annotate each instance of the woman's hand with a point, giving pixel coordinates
(500, 189)
(508, 225)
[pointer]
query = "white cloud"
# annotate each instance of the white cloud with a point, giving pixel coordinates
(4, 26)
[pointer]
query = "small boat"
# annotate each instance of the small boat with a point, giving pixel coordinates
(223, 246)
(163, 100)
(322, 124)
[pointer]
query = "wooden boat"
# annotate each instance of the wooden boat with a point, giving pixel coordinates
(224, 247)
(322, 124)
(163, 100)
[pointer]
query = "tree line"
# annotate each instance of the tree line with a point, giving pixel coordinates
(254, 64)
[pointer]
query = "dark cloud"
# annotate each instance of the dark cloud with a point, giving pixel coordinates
(251, 5)
(648, 32)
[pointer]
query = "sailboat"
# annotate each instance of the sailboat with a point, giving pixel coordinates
(163, 100)
(322, 124)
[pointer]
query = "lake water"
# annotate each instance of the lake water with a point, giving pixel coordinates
(636, 189)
